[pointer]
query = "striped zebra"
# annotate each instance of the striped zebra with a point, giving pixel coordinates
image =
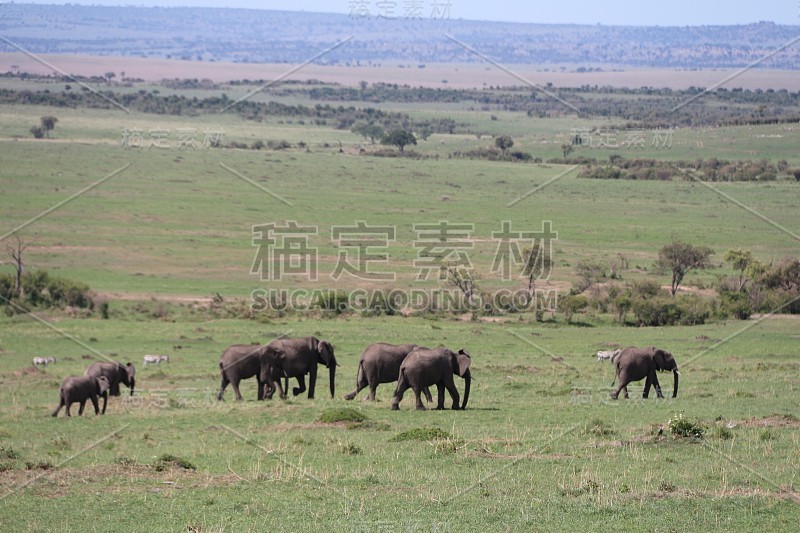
(155, 359)
(610, 355)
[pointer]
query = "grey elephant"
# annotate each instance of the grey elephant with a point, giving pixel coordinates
(116, 373)
(79, 389)
(633, 364)
(380, 363)
(425, 367)
(243, 361)
(294, 358)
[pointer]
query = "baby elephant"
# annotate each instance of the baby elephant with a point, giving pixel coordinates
(79, 389)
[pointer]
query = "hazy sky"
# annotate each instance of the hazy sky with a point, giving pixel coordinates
(635, 12)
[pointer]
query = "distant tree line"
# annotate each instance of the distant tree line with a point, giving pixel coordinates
(712, 169)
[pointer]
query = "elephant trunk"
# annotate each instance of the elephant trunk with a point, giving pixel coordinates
(332, 373)
(133, 384)
(467, 383)
(675, 385)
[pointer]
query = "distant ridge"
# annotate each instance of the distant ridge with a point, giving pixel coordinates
(255, 36)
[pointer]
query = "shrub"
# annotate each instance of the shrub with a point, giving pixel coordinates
(572, 304)
(421, 434)
(735, 304)
(342, 414)
(683, 427)
(166, 461)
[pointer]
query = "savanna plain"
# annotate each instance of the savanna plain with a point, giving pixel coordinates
(164, 236)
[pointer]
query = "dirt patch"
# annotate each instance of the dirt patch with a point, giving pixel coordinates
(165, 298)
(516, 456)
(774, 421)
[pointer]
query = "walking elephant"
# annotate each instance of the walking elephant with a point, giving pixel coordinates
(633, 364)
(243, 361)
(115, 373)
(294, 358)
(380, 363)
(425, 367)
(79, 389)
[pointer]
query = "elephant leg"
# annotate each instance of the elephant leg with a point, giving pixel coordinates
(83, 404)
(312, 382)
(402, 387)
(352, 395)
(96, 406)
(105, 401)
(417, 393)
(622, 386)
(451, 388)
(60, 405)
(373, 388)
(68, 404)
(361, 383)
(222, 386)
(427, 392)
(235, 387)
(647, 383)
(440, 396)
(657, 385)
(261, 389)
(301, 388)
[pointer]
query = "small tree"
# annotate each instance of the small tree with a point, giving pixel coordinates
(425, 132)
(745, 264)
(538, 265)
(37, 132)
(589, 272)
(370, 132)
(566, 149)
(48, 123)
(399, 138)
(572, 304)
(15, 249)
(464, 279)
(681, 257)
(504, 143)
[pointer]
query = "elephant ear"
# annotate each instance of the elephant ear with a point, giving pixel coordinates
(660, 359)
(131, 370)
(326, 353)
(463, 360)
(102, 384)
(272, 354)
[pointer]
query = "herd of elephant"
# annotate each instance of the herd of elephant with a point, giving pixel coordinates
(413, 367)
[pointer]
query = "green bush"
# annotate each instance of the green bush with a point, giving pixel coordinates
(735, 304)
(39, 289)
(341, 414)
(421, 434)
(166, 461)
(683, 427)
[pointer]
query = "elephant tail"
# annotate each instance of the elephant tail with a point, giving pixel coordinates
(360, 373)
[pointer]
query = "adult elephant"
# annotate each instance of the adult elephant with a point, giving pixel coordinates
(633, 364)
(294, 358)
(79, 389)
(380, 363)
(116, 373)
(243, 361)
(425, 367)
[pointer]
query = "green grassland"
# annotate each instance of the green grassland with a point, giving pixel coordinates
(540, 448)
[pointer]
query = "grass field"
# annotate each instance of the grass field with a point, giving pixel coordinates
(541, 447)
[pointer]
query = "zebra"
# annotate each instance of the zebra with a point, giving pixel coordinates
(611, 355)
(157, 359)
(43, 361)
